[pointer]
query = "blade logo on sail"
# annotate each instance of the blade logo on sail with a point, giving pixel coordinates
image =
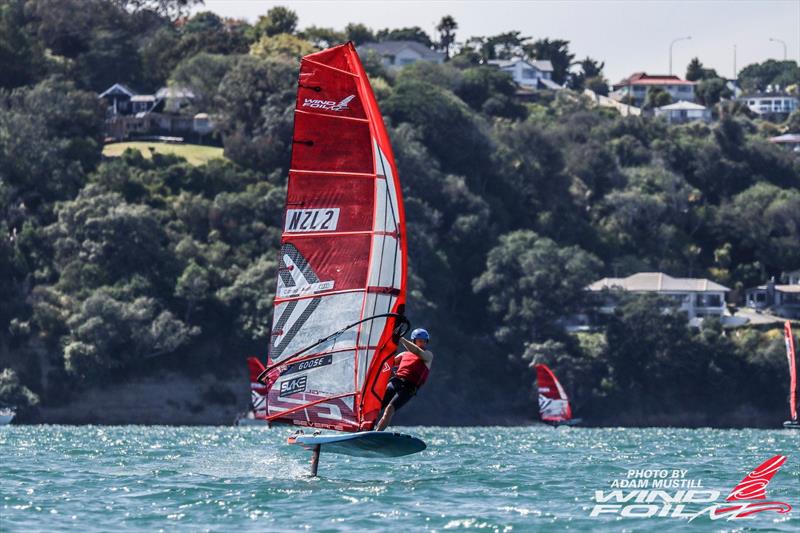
(294, 274)
(328, 105)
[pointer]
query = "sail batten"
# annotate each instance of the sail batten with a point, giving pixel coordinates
(342, 269)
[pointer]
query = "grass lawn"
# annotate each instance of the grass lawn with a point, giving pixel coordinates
(195, 154)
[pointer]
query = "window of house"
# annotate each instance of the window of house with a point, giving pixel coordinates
(761, 297)
(528, 73)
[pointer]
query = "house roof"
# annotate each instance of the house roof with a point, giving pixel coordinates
(642, 78)
(174, 92)
(543, 65)
(117, 88)
(143, 98)
(395, 47)
(779, 288)
(683, 105)
(549, 84)
(657, 282)
(788, 138)
(766, 95)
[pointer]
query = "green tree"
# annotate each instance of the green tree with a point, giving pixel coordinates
(447, 34)
(359, 33)
(278, 20)
(13, 393)
(656, 97)
(414, 33)
(203, 73)
(256, 100)
(696, 72)
(450, 130)
(22, 59)
(323, 37)
(282, 45)
(556, 51)
(710, 91)
(758, 76)
(504, 45)
(531, 283)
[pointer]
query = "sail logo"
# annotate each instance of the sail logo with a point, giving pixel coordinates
(309, 220)
(293, 386)
(652, 499)
(328, 105)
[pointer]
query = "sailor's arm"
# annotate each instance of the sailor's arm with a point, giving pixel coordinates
(426, 355)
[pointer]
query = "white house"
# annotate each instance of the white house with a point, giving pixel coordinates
(638, 83)
(770, 103)
(697, 297)
(783, 300)
(529, 74)
(683, 111)
(397, 54)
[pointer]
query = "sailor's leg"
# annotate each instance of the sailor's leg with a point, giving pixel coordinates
(388, 413)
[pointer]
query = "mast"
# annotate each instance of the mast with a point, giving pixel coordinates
(342, 270)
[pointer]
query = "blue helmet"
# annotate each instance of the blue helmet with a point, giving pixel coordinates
(420, 333)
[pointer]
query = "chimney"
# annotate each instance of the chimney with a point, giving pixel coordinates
(771, 291)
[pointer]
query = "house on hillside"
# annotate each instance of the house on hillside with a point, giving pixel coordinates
(782, 300)
(165, 113)
(775, 106)
(398, 54)
(528, 74)
(118, 99)
(637, 84)
(697, 297)
(682, 112)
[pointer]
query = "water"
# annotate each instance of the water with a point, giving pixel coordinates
(136, 478)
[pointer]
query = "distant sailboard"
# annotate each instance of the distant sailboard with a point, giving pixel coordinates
(793, 422)
(340, 300)
(256, 414)
(554, 408)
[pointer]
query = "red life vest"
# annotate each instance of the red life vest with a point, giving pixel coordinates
(412, 369)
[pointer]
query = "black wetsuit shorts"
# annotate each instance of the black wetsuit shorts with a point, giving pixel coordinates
(398, 392)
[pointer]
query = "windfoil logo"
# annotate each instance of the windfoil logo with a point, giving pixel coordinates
(666, 493)
(328, 105)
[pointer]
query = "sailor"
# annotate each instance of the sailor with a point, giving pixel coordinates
(413, 367)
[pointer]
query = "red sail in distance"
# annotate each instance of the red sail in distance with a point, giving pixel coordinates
(553, 402)
(258, 391)
(343, 253)
(792, 356)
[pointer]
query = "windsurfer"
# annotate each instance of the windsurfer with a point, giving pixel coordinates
(413, 367)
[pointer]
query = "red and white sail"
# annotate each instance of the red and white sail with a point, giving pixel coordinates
(553, 402)
(343, 253)
(792, 356)
(258, 391)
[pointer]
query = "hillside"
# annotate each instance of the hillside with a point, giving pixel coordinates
(134, 268)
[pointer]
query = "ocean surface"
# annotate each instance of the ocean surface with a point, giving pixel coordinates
(536, 478)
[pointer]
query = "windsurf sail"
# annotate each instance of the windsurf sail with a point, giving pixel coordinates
(342, 270)
(258, 391)
(792, 356)
(553, 401)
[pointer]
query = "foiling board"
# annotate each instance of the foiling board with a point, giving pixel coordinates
(362, 444)
(791, 424)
